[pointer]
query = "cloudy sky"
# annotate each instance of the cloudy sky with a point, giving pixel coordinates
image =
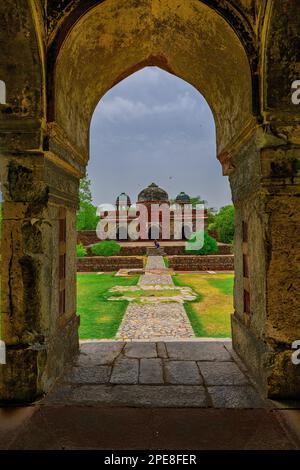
(154, 127)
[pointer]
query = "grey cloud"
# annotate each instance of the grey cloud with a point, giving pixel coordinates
(155, 127)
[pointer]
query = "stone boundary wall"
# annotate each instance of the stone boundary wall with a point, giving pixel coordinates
(202, 263)
(108, 263)
(89, 237)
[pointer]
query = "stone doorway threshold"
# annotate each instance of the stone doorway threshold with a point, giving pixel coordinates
(148, 374)
(152, 395)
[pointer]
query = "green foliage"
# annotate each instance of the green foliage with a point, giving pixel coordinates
(86, 218)
(224, 224)
(211, 214)
(85, 193)
(197, 200)
(100, 318)
(81, 251)
(225, 285)
(106, 248)
(210, 246)
(210, 313)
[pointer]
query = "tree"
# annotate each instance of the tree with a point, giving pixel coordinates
(224, 224)
(85, 192)
(210, 245)
(197, 200)
(211, 213)
(86, 218)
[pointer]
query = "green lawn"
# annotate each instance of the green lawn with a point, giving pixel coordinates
(136, 296)
(100, 318)
(210, 314)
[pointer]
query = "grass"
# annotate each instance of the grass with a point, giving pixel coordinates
(210, 314)
(100, 318)
(136, 295)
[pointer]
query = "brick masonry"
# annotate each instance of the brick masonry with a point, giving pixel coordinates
(202, 263)
(109, 263)
(178, 263)
(89, 237)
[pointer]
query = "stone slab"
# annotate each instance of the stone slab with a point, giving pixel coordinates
(139, 350)
(151, 371)
(141, 395)
(206, 351)
(222, 373)
(235, 397)
(96, 354)
(125, 371)
(90, 375)
(161, 350)
(182, 372)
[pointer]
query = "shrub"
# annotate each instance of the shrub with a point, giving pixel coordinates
(81, 251)
(106, 248)
(210, 246)
(224, 224)
(86, 218)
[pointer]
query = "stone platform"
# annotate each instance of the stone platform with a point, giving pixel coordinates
(145, 395)
(193, 374)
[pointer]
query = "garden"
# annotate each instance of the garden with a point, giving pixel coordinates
(101, 315)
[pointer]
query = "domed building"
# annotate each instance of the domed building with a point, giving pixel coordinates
(153, 193)
(123, 200)
(183, 198)
(127, 214)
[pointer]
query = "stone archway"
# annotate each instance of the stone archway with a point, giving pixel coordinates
(154, 231)
(90, 49)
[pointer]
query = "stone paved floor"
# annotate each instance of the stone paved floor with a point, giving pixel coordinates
(155, 272)
(154, 321)
(145, 395)
(151, 279)
(190, 374)
(155, 262)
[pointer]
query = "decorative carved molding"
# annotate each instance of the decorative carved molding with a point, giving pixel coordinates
(63, 185)
(226, 157)
(60, 148)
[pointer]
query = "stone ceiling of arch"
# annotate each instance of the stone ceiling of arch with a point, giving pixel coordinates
(18, 46)
(59, 9)
(189, 39)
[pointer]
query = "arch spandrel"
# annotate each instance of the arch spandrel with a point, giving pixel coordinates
(21, 65)
(188, 39)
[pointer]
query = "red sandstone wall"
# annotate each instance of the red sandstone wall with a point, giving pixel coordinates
(202, 263)
(89, 237)
(109, 263)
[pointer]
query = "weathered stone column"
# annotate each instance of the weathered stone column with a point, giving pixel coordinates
(266, 187)
(39, 324)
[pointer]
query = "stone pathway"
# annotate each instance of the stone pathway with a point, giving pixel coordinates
(147, 395)
(155, 321)
(165, 320)
(155, 262)
(157, 374)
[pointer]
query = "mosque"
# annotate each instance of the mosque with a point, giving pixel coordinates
(183, 219)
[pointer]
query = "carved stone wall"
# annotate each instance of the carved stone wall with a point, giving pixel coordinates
(243, 56)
